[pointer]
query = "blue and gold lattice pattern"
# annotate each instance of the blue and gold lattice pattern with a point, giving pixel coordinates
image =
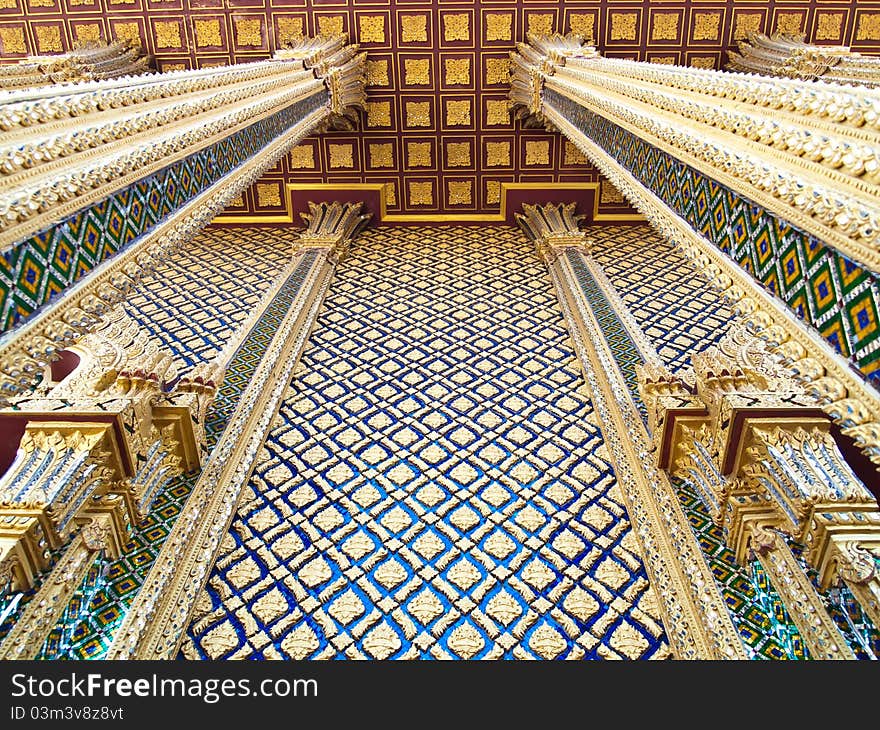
(680, 314)
(434, 485)
(37, 270)
(822, 287)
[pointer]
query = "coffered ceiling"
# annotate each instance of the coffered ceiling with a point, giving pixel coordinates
(436, 132)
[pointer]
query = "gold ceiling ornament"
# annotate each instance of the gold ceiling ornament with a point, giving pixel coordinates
(806, 153)
(790, 56)
(50, 172)
(761, 455)
(160, 613)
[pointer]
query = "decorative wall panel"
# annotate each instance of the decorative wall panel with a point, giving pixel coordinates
(437, 73)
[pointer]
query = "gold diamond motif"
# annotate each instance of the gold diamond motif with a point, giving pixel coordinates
(290, 30)
(628, 641)
(497, 113)
(583, 24)
(328, 519)
(346, 608)
(497, 70)
(300, 642)
(396, 520)
(220, 640)
(504, 608)
(243, 573)
(382, 155)
(315, 572)
(623, 26)
(458, 112)
(425, 606)
(390, 574)
(270, 606)
(497, 154)
(418, 114)
(341, 155)
(372, 29)
(456, 27)
(430, 495)
(167, 34)
(458, 154)
(302, 157)
(287, 545)
(529, 518)
(538, 574)
(580, 604)
(413, 28)
(382, 641)
(499, 545)
(248, 31)
(268, 194)
(465, 641)
(464, 574)
(568, 544)
(377, 73)
(208, 33)
(869, 27)
(547, 642)
(464, 518)
(330, 25)
(378, 113)
(498, 27)
(537, 152)
(358, 545)
(428, 545)
(458, 71)
(366, 495)
(664, 27)
(706, 26)
(421, 193)
(417, 71)
(418, 154)
(612, 573)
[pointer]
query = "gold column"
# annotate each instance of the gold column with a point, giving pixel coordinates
(160, 613)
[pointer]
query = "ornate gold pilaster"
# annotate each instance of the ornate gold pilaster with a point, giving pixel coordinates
(789, 56)
(159, 615)
(48, 177)
(761, 456)
(694, 614)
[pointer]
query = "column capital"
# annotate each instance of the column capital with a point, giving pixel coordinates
(332, 226)
(553, 228)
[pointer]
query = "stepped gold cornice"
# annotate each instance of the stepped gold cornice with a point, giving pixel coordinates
(824, 182)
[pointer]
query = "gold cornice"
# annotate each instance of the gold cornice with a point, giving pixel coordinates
(383, 216)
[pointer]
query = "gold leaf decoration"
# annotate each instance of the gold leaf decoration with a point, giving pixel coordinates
(382, 155)
(828, 26)
(268, 194)
(537, 152)
(610, 194)
(346, 608)
(330, 25)
(208, 33)
(746, 23)
(341, 155)
(540, 23)
(88, 33)
(572, 155)
(456, 27)
(413, 28)
(458, 71)
(458, 112)
(497, 70)
(789, 23)
(248, 31)
(460, 192)
(584, 24)
(302, 157)
(869, 27)
(127, 32)
(390, 194)
(497, 154)
(378, 113)
(623, 26)
(664, 27)
(497, 112)
(372, 28)
(377, 72)
(290, 29)
(418, 154)
(493, 192)
(48, 38)
(706, 26)
(418, 113)
(417, 71)
(703, 62)
(499, 27)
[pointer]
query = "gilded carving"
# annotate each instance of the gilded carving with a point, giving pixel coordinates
(706, 26)
(572, 155)
(390, 193)
(330, 25)
(341, 155)
(377, 72)
(458, 154)
(48, 38)
(828, 26)
(623, 26)
(418, 114)
(290, 30)
(248, 31)
(497, 154)
(746, 23)
(610, 194)
(417, 71)
(458, 112)
(457, 27)
(208, 32)
(421, 193)
(237, 201)
(493, 192)
(497, 113)
(372, 28)
(540, 23)
(8, 4)
(418, 154)
(497, 70)
(167, 34)
(413, 28)
(302, 157)
(127, 32)
(537, 152)
(668, 60)
(789, 23)
(584, 24)
(664, 26)
(499, 27)
(268, 195)
(378, 113)
(382, 154)
(12, 39)
(35, 4)
(868, 28)
(457, 71)
(703, 62)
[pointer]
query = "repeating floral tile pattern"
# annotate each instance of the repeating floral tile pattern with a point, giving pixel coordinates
(435, 484)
